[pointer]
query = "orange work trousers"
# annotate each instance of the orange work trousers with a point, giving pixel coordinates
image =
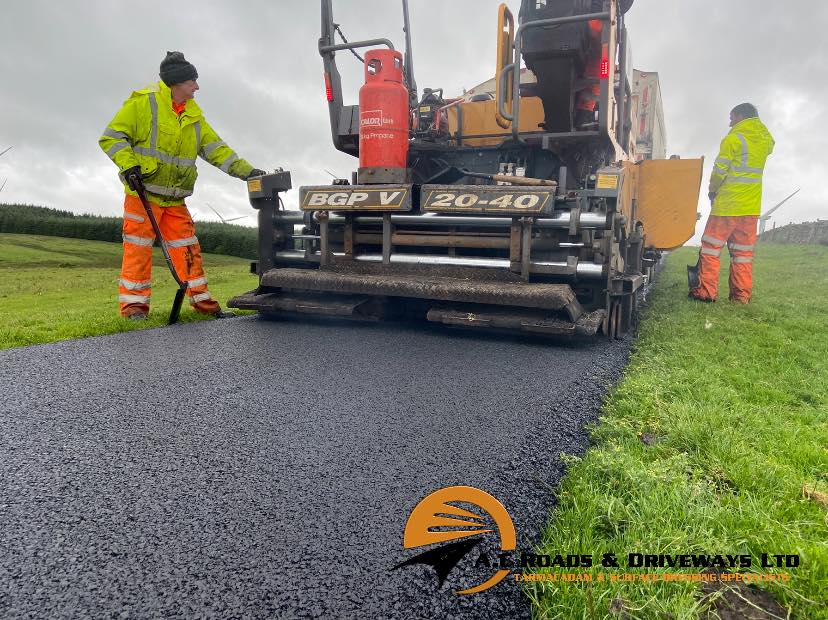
(739, 234)
(178, 231)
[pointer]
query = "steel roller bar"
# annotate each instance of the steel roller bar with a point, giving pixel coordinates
(559, 220)
(583, 270)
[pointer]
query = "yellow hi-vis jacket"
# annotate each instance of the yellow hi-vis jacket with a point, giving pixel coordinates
(147, 132)
(737, 173)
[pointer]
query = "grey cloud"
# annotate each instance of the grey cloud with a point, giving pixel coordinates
(67, 67)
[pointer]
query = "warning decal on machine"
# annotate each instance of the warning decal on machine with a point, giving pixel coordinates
(356, 198)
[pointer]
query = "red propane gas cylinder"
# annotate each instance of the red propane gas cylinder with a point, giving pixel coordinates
(383, 112)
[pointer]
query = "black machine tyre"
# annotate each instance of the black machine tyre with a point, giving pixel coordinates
(628, 307)
(615, 317)
(621, 317)
(611, 322)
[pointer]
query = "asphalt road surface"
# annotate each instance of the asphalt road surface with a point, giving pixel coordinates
(247, 468)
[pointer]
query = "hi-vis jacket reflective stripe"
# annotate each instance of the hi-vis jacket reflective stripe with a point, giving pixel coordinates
(147, 132)
(737, 173)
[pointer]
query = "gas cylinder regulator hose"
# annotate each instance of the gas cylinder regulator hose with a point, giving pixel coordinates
(345, 41)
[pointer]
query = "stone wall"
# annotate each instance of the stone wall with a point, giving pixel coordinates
(806, 233)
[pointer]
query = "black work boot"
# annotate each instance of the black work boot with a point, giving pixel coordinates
(224, 314)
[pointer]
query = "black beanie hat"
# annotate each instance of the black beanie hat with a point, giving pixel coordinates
(175, 69)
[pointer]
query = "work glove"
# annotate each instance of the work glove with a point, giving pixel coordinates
(132, 176)
(711, 196)
(256, 173)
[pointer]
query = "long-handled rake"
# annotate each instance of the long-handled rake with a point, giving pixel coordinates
(182, 285)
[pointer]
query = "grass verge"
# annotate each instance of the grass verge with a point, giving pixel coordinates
(53, 288)
(715, 442)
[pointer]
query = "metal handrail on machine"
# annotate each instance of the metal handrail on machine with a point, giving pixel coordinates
(512, 68)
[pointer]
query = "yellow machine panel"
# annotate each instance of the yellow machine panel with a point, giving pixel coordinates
(479, 118)
(628, 190)
(668, 198)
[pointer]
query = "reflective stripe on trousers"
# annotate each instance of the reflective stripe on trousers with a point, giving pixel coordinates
(142, 241)
(134, 299)
(134, 286)
(180, 243)
(136, 269)
(739, 234)
(199, 297)
(134, 217)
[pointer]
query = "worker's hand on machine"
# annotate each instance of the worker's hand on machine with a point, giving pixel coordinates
(256, 173)
(711, 196)
(132, 176)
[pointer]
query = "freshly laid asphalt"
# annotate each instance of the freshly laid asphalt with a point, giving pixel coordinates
(247, 468)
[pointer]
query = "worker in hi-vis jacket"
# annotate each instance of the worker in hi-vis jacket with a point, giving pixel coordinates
(735, 194)
(154, 140)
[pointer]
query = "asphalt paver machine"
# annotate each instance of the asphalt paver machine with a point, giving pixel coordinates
(513, 206)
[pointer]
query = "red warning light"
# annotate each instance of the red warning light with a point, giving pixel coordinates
(604, 62)
(328, 89)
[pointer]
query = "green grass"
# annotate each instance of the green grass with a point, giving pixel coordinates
(736, 398)
(52, 288)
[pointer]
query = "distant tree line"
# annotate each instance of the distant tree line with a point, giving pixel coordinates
(214, 237)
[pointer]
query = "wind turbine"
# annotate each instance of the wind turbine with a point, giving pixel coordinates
(333, 175)
(763, 219)
(221, 217)
(1, 154)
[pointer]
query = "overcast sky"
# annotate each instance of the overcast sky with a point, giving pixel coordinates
(68, 66)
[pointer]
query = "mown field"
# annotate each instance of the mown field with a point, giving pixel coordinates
(53, 288)
(715, 442)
